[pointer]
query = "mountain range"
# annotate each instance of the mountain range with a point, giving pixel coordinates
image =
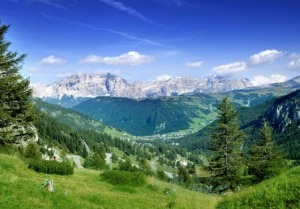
(89, 86)
(160, 107)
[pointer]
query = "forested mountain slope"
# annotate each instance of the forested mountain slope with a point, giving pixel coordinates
(74, 119)
(150, 116)
(282, 113)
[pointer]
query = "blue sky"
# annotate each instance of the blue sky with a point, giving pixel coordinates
(145, 40)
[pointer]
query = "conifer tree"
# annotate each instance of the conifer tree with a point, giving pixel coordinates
(226, 141)
(15, 107)
(265, 158)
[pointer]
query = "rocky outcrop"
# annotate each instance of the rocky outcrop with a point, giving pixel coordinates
(285, 111)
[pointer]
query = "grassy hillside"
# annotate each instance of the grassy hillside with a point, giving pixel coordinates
(20, 188)
(280, 192)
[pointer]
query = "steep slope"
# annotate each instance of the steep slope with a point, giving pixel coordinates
(74, 119)
(150, 116)
(282, 113)
(285, 111)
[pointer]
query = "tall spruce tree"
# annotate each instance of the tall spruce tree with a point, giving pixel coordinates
(225, 163)
(265, 157)
(15, 107)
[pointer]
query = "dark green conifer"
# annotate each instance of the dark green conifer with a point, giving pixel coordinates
(15, 106)
(226, 160)
(265, 158)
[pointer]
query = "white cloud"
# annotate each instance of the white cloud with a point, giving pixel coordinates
(131, 58)
(267, 56)
(231, 68)
(263, 80)
(294, 64)
(52, 60)
(163, 77)
(194, 64)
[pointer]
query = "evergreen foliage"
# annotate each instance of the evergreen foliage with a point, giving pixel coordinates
(184, 177)
(32, 151)
(15, 106)
(97, 160)
(148, 116)
(124, 178)
(51, 167)
(265, 158)
(160, 174)
(145, 167)
(226, 160)
(127, 166)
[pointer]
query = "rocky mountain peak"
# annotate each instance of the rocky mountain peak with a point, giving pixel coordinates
(84, 85)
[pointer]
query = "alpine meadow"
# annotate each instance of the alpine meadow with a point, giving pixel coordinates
(128, 104)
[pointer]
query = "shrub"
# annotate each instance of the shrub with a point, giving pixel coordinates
(32, 151)
(162, 176)
(124, 178)
(51, 167)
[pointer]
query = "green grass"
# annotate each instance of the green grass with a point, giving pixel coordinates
(20, 188)
(280, 192)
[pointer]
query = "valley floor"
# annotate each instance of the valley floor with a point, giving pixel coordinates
(21, 188)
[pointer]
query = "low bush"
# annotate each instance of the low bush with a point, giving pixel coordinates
(124, 178)
(51, 167)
